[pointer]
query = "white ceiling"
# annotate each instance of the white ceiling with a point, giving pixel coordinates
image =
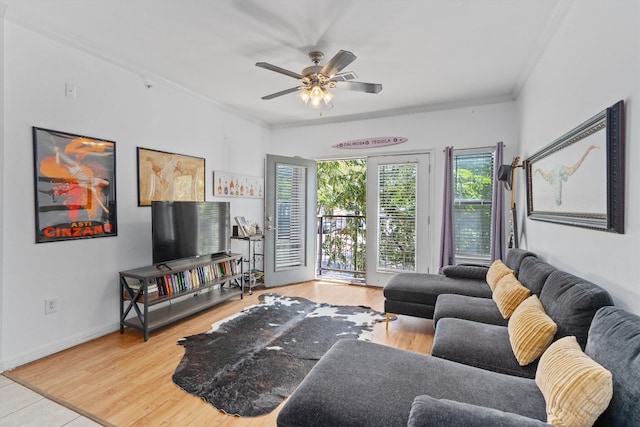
(427, 54)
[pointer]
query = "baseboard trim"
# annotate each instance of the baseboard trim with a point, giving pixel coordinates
(56, 347)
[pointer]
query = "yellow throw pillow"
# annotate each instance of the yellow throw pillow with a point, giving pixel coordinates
(531, 330)
(497, 271)
(508, 294)
(576, 388)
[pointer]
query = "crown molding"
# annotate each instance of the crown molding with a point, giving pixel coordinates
(147, 77)
(418, 109)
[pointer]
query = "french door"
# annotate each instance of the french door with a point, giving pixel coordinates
(398, 225)
(290, 220)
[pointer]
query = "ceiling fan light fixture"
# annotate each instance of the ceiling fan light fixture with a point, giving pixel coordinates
(327, 96)
(316, 80)
(316, 96)
(305, 95)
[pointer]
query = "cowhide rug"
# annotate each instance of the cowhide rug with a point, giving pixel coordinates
(247, 364)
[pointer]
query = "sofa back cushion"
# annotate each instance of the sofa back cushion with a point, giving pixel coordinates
(533, 273)
(515, 257)
(614, 342)
(572, 302)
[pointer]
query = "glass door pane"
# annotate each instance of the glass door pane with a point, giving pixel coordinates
(290, 216)
(397, 201)
(398, 211)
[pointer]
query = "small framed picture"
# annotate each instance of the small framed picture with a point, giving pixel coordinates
(243, 226)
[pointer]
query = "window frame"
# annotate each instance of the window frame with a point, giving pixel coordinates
(473, 258)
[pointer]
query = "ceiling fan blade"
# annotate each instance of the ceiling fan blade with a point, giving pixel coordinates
(360, 86)
(337, 63)
(282, 92)
(277, 69)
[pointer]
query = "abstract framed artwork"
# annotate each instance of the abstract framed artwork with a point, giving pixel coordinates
(169, 177)
(75, 186)
(579, 179)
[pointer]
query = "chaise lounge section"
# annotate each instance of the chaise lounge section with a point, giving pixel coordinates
(415, 294)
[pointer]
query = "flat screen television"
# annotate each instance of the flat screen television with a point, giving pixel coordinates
(189, 229)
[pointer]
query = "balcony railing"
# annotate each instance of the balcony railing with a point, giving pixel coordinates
(341, 247)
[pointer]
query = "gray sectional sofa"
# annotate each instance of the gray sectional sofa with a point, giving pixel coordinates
(472, 378)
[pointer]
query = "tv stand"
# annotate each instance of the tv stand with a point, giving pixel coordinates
(186, 287)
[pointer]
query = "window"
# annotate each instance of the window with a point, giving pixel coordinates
(290, 216)
(473, 186)
(397, 201)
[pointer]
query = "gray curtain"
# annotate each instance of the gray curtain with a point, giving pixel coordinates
(497, 209)
(447, 241)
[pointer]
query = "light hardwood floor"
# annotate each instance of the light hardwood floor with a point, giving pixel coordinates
(120, 380)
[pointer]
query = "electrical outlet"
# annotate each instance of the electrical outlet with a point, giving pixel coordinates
(70, 91)
(50, 305)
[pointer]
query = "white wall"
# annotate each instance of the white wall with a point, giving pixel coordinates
(467, 127)
(114, 104)
(3, 10)
(592, 62)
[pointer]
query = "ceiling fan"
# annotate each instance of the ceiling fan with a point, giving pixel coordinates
(316, 79)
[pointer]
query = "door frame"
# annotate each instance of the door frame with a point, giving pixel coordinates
(307, 271)
(424, 246)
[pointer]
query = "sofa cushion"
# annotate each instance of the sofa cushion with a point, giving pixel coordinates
(428, 411)
(614, 342)
(465, 341)
(508, 294)
(515, 257)
(576, 388)
(359, 383)
(496, 272)
(530, 330)
(533, 273)
(572, 302)
(477, 309)
(425, 288)
(477, 272)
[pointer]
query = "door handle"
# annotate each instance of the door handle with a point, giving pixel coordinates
(270, 228)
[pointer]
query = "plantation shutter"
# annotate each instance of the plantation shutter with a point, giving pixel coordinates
(397, 216)
(290, 216)
(473, 181)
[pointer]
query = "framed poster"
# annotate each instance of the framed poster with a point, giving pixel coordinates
(169, 177)
(579, 178)
(227, 184)
(75, 186)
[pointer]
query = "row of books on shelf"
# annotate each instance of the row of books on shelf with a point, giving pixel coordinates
(187, 280)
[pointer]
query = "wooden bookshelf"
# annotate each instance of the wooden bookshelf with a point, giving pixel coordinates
(154, 296)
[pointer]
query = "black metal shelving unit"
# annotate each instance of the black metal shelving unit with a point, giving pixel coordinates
(203, 293)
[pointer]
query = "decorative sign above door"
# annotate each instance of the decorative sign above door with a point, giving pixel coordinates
(382, 141)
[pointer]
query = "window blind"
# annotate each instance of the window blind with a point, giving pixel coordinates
(473, 186)
(290, 216)
(397, 198)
